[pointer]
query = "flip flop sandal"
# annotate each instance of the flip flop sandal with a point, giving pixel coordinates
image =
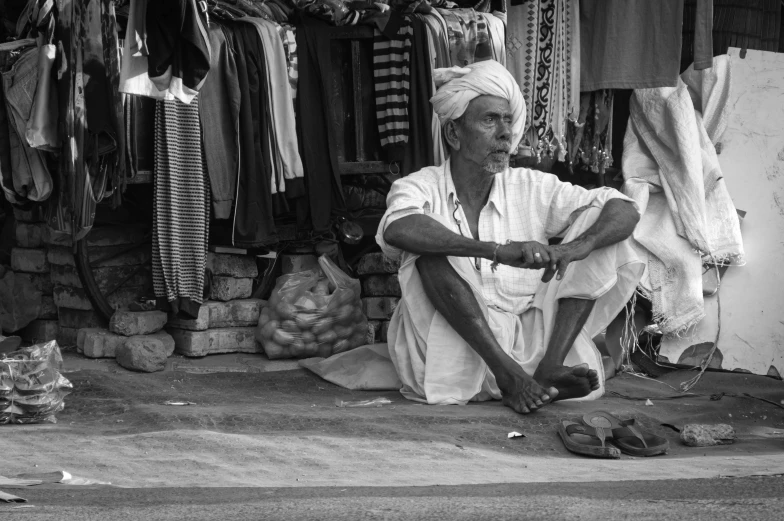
(626, 435)
(585, 440)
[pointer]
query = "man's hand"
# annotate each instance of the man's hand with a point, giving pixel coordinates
(529, 255)
(534, 255)
(563, 254)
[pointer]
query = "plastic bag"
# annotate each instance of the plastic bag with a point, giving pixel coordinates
(313, 313)
(31, 386)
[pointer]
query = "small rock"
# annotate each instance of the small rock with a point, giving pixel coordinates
(700, 435)
(147, 354)
(132, 323)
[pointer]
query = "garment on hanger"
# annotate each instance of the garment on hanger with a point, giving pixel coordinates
(469, 41)
(319, 155)
(419, 152)
(254, 225)
(392, 79)
(496, 30)
(543, 56)
(134, 78)
(439, 33)
(179, 46)
(636, 44)
(219, 111)
(181, 208)
(288, 174)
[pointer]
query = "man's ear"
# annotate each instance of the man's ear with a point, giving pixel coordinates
(451, 134)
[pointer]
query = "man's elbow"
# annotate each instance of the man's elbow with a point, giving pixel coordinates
(392, 234)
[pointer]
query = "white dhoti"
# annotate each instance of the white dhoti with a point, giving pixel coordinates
(437, 366)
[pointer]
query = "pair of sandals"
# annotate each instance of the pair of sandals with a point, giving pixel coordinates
(600, 427)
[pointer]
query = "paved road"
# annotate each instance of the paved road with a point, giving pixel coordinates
(758, 498)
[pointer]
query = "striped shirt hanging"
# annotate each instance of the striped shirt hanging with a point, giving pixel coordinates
(391, 52)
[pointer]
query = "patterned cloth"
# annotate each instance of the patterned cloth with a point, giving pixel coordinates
(543, 56)
(391, 73)
(524, 205)
(289, 37)
(181, 207)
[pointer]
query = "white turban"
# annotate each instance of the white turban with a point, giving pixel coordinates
(485, 78)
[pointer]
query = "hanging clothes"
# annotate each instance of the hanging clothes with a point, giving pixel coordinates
(288, 174)
(181, 208)
(219, 110)
(543, 56)
(392, 79)
(134, 78)
(469, 41)
(254, 225)
(590, 137)
(179, 46)
(419, 153)
(322, 179)
(636, 44)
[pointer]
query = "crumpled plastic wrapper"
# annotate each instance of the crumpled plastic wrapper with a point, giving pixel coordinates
(32, 389)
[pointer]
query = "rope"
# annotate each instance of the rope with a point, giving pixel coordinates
(688, 384)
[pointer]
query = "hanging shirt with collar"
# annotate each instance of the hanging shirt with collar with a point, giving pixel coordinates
(523, 205)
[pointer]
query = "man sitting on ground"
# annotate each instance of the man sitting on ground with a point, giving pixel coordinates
(490, 310)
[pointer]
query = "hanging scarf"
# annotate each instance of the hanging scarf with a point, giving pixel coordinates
(543, 56)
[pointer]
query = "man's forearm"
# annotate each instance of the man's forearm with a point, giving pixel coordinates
(615, 223)
(422, 235)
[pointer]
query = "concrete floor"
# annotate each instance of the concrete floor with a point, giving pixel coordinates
(712, 499)
(255, 424)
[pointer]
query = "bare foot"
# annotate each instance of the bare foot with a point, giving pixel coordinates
(571, 382)
(523, 394)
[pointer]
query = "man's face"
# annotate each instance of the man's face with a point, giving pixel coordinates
(485, 133)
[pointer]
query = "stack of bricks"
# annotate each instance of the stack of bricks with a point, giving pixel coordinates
(134, 338)
(114, 259)
(28, 260)
(227, 322)
(380, 293)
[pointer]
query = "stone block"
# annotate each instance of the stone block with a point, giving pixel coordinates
(229, 288)
(76, 298)
(132, 323)
(379, 308)
(33, 215)
(215, 341)
(79, 319)
(102, 257)
(40, 281)
(29, 260)
(236, 313)
(237, 266)
(101, 343)
(98, 343)
(102, 236)
(39, 331)
(298, 263)
(30, 235)
(376, 264)
(48, 309)
(145, 353)
(67, 336)
(106, 277)
(381, 286)
(384, 331)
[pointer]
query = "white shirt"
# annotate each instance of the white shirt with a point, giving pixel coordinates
(524, 205)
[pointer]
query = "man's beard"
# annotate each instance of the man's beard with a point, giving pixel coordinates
(496, 163)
